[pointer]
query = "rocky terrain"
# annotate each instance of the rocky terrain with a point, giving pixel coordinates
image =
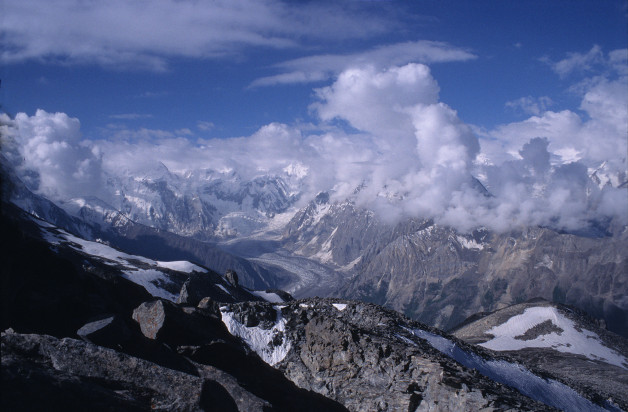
(81, 328)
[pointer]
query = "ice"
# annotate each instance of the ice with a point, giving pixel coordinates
(261, 340)
(570, 340)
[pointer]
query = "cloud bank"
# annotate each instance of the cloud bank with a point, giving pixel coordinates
(385, 132)
(324, 67)
(144, 34)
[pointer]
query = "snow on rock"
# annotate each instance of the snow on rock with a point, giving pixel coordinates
(271, 345)
(548, 391)
(224, 289)
(268, 296)
(340, 306)
(181, 266)
(151, 279)
(561, 336)
(469, 243)
(145, 272)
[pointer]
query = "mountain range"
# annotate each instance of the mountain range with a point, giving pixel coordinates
(86, 324)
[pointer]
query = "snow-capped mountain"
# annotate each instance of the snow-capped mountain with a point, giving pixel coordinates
(440, 276)
(88, 325)
(203, 204)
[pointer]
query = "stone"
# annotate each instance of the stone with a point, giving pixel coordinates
(232, 277)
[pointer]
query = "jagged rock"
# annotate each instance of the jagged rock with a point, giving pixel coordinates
(232, 277)
(200, 285)
(210, 305)
(250, 314)
(258, 378)
(369, 358)
(211, 284)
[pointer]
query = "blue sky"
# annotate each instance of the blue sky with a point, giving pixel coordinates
(511, 41)
(406, 98)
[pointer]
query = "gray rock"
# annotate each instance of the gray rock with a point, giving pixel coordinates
(68, 373)
(364, 357)
(232, 277)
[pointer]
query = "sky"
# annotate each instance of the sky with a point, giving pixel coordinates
(406, 96)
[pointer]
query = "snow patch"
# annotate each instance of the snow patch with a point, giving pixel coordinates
(548, 391)
(340, 306)
(262, 341)
(138, 269)
(224, 289)
(150, 279)
(181, 266)
(469, 243)
(570, 340)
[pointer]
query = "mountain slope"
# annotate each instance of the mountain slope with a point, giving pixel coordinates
(79, 332)
(440, 276)
(559, 341)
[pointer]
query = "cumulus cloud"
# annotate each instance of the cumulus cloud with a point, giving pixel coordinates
(324, 67)
(54, 159)
(145, 34)
(386, 141)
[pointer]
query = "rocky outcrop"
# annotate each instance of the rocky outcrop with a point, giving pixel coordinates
(220, 288)
(371, 359)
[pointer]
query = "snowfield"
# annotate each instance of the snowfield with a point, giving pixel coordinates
(509, 336)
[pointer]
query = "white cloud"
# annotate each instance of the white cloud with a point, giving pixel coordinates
(130, 116)
(51, 144)
(409, 152)
(593, 60)
(530, 105)
(324, 67)
(143, 34)
(204, 125)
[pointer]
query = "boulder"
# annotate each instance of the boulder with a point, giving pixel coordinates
(166, 322)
